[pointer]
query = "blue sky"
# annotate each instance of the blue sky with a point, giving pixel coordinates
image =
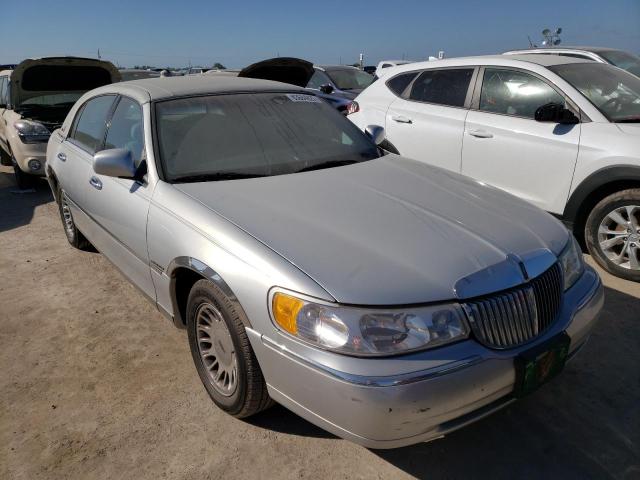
(240, 32)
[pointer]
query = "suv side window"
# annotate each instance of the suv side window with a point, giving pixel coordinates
(318, 79)
(125, 129)
(91, 123)
(510, 92)
(399, 83)
(444, 87)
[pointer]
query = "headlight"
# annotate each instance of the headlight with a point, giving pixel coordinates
(572, 262)
(367, 332)
(31, 132)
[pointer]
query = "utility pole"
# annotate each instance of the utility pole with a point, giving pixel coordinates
(99, 57)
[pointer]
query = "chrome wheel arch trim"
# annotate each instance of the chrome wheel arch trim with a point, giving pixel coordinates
(206, 272)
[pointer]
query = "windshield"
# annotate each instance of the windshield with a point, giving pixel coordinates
(350, 78)
(623, 60)
(614, 92)
(260, 134)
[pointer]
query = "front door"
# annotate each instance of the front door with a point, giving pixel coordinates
(118, 207)
(505, 147)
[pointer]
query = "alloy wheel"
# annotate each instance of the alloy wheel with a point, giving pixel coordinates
(69, 226)
(619, 236)
(216, 349)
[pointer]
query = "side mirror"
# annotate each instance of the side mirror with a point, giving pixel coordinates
(375, 133)
(555, 113)
(326, 88)
(116, 162)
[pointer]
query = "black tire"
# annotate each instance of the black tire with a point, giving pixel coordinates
(23, 180)
(74, 236)
(601, 212)
(5, 158)
(250, 395)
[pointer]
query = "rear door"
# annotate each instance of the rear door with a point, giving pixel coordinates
(118, 207)
(505, 147)
(426, 121)
(74, 156)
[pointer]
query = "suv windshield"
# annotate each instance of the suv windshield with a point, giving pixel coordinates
(621, 59)
(614, 92)
(350, 78)
(223, 137)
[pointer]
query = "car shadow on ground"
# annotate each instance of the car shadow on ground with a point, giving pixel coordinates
(583, 424)
(21, 211)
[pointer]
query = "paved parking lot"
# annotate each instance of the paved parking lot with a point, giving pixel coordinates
(97, 384)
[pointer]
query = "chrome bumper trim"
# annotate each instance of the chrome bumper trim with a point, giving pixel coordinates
(371, 381)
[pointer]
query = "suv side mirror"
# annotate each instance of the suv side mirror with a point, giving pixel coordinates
(326, 88)
(115, 162)
(375, 133)
(556, 113)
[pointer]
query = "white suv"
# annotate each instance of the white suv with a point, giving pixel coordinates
(560, 132)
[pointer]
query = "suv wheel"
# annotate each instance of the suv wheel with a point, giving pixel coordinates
(222, 353)
(612, 234)
(74, 236)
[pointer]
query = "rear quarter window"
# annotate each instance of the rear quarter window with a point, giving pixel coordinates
(399, 83)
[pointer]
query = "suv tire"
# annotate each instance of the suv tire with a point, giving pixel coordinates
(612, 234)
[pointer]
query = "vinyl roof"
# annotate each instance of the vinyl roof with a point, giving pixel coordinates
(150, 89)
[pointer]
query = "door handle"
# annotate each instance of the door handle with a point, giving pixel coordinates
(480, 133)
(401, 119)
(62, 157)
(95, 183)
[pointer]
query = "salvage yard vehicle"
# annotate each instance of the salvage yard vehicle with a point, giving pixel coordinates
(560, 132)
(35, 98)
(337, 85)
(619, 58)
(383, 299)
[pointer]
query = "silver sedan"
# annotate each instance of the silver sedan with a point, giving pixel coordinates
(385, 300)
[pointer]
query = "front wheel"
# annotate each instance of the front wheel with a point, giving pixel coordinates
(222, 353)
(612, 234)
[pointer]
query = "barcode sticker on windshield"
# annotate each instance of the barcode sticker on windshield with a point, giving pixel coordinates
(300, 97)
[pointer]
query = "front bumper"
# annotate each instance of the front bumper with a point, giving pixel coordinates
(399, 401)
(26, 152)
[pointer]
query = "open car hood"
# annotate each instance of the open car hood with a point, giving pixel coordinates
(44, 76)
(294, 71)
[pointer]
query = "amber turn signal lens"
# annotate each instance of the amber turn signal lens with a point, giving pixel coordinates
(285, 311)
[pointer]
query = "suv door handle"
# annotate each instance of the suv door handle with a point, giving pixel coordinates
(401, 119)
(480, 133)
(95, 183)
(62, 157)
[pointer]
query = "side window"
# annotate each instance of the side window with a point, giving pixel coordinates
(89, 130)
(125, 130)
(515, 93)
(399, 83)
(318, 79)
(444, 87)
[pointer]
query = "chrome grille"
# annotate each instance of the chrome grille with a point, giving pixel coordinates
(511, 318)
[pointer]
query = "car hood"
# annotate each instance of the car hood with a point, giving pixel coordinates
(630, 128)
(391, 230)
(294, 71)
(45, 76)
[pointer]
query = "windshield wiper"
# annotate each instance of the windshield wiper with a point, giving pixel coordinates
(212, 177)
(327, 164)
